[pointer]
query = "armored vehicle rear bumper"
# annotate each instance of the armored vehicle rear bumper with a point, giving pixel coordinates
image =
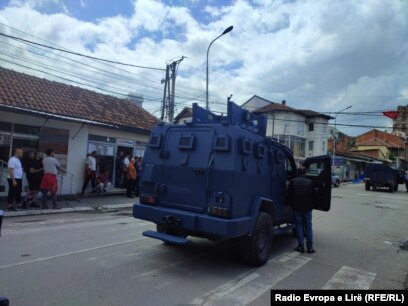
(194, 224)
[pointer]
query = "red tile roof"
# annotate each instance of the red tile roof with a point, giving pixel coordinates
(378, 142)
(23, 91)
(279, 107)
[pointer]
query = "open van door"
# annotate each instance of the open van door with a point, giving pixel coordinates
(318, 169)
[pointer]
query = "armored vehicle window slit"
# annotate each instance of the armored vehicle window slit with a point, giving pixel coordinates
(186, 142)
(221, 143)
(245, 146)
(155, 141)
(259, 150)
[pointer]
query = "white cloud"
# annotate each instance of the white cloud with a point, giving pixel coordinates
(322, 55)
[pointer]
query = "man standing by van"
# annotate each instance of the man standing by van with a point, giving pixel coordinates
(301, 198)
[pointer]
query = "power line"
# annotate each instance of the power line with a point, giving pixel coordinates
(78, 54)
(191, 96)
(109, 73)
(69, 80)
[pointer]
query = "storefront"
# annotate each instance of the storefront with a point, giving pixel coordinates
(37, 114)
(71, 141)
(108, 149)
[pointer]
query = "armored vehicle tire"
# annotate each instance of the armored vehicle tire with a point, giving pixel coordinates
(391, 188)
(396, 187)
(256, 248)
(337, 183)
(367, 186)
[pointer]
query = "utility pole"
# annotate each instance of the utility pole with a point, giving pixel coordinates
(166, 82)
(169, 91)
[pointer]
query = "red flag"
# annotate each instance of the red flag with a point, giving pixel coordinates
(391, 114)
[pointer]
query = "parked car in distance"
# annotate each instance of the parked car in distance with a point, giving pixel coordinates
(335, 180)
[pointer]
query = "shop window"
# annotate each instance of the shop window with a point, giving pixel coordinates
(102, 138)
(56, 139)
(26, 129)
(5, 126)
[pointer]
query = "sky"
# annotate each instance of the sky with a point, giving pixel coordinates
(319, 55)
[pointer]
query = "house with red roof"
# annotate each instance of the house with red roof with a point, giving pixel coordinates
(303, 131)
(36, 114)
(382, 146)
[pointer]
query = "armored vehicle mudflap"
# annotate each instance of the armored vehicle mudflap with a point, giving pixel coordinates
(166, 237)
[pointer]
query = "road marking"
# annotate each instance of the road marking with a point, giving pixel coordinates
(249, 286)
(154, 272)
(350, 278)
(71, 253)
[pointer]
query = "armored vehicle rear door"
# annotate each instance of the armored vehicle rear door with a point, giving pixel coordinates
(319, 171)
(185, 167)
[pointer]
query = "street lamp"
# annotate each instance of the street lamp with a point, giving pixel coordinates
(334, 136)
(227, 30)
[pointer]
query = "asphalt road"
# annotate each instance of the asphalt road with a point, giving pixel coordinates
(102, 258)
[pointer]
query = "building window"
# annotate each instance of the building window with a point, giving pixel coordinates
(295, 143)
(323, 146)
(311, 127)
(56, 139)
(102, 138)
(310, 145)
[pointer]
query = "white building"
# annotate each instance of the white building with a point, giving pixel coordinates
(36, 114)
(303, 131)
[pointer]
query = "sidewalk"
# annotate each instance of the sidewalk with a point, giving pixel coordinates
(88, 202)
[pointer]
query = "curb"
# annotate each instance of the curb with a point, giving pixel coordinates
(100, 208)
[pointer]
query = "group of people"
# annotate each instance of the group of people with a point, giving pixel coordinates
(126, 176)
(100, 183)
(127, 173)
(41, 175)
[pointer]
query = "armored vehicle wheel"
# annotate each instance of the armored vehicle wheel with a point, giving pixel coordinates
(391, 188)
(256, 248)
(367, 186)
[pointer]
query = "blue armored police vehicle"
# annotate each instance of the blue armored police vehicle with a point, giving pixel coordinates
(219, 177)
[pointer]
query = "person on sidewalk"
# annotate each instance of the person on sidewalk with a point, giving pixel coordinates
(131, 178)
(301, 198)
(49, 182)
(102, 183)
(126, 162)
(138, 166)
(119, 170)
(90, 173)
(15, 178)
(34, 172)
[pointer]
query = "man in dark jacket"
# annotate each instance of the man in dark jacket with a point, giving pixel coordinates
(301, 198)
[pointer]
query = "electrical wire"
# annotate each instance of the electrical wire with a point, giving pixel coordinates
(78, 54)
